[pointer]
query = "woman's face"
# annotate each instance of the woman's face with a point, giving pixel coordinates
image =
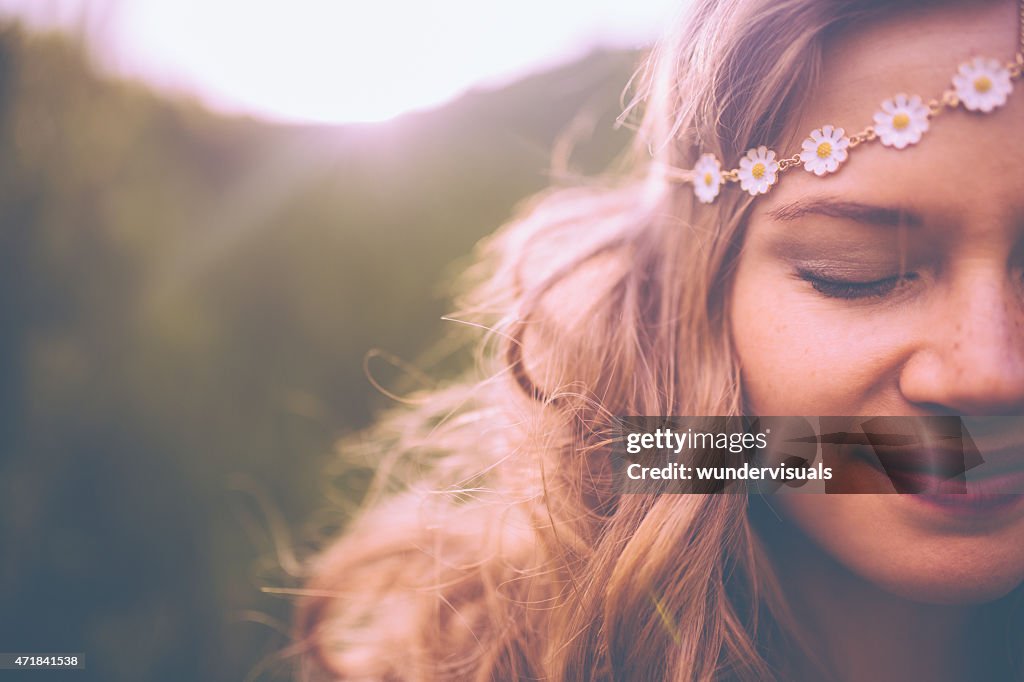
(824, 325)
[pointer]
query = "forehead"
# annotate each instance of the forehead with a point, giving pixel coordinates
(965, 163)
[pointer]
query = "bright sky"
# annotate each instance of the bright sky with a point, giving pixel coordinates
(343, 60)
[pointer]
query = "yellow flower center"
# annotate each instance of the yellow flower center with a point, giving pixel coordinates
(824, 150)
(982, 84)
(900, 121)
(758, 170)
(707, 179)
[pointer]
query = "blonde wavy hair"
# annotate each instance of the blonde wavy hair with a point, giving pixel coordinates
(504, 553)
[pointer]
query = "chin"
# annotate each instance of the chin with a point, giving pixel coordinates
(951, 575)
(908, 549)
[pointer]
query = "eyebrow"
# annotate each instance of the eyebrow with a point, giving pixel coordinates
(848, 210)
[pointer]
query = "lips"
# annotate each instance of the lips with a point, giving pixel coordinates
(931, 455)
(975, 503)
(917, 470)
(941, 479)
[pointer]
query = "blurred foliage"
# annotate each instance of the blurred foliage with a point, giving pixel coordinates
(186, 301)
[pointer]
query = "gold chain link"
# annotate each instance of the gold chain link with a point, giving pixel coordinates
(865, 135)
(786, 164)
(1020, 36)
(949, 99)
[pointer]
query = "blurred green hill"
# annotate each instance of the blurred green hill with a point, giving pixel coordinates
(186, 301)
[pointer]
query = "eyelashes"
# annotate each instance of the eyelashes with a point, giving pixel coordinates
(853, 289)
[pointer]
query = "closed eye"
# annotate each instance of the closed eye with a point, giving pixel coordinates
(853, 289)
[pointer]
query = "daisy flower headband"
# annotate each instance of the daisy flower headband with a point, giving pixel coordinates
(981, 85)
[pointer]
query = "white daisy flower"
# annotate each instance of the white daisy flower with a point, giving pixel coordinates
(901, 121)
(982, 84)
(707, 178)
(824, 150)
(758, 170)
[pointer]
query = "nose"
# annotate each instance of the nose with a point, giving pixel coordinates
(970, 358)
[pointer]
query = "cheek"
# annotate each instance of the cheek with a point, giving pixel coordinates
(802, 354)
